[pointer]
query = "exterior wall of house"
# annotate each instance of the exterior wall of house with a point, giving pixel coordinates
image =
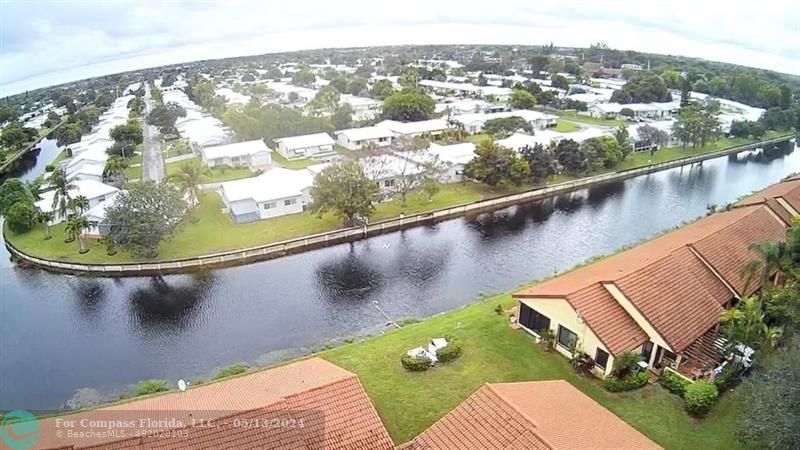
(342, 140)
(304, 152)
(453, 174)
(280, 207)
(257, 161)
(561, 313)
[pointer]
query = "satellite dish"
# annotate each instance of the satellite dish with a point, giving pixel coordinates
(182, 385)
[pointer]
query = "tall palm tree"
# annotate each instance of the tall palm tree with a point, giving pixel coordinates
(75, 227)
(61, 187)
(772, 258)
(115, 166)
(188, 179)
(745, 325)
(45, 218)
(79, 205)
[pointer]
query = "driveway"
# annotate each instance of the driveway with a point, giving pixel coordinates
(152, 160)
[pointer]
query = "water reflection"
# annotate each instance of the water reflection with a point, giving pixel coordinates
(168, 307)
(348, 279)
(420, 261)
(599, 194)
(90, 298)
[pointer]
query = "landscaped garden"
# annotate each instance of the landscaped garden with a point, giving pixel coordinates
(408, 402)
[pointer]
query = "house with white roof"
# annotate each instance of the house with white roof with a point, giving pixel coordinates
(305, 146)
(546, 137)
(468, 106)
(388, 171)
(253, 154)
(454, 157)
(364, 108)
(431, 127)
(358, 138)
(474, 123)
(655, 110)
(98, 226)
(94, 191)
(276, 192)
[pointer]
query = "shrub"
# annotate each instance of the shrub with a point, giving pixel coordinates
(700, 396)
(625, 363)
(230, 371)
(582, 363)
(674, 382)
(727, 379)
(628, 383)
(49, 168)
(547, 338)
(147, 387)
(21, 217)
(452, 351)
(498, 309)
(415, 364)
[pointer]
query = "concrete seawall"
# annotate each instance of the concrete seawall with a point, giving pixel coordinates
(297, 245)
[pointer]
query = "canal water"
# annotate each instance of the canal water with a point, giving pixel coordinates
(69, 341)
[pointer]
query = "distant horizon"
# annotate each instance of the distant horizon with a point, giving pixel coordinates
(256, 55)
(86, 39)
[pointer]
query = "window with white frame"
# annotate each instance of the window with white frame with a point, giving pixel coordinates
(290, 202)
(269, 205)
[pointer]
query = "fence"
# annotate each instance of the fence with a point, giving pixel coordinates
(277, 249)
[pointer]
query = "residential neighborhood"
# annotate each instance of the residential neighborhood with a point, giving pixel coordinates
(214, 242)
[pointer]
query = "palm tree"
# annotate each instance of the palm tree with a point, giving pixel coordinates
(79, 205)
(772, 259)
(45, 218)
(745, 325)
(75, 227)
(188, 180)
(115, 166)
(61, 187)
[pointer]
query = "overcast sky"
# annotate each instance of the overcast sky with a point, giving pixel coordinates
(49, 42)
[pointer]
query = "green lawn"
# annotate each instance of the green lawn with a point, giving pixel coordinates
(478, 138)
(342, 150)
(575, 117)
(293, 164)
(210, 231)
(565, 127)
(62, 155)
(410, 402)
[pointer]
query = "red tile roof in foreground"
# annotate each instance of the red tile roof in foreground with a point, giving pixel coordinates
(307, 404)
(535, 415)
(678, 282)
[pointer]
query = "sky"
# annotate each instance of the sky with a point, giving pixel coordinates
(43, 43)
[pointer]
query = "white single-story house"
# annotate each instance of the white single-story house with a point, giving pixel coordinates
(94, 191)
(415, 129)
(98, 227)
(88, 165)
(389, 170)
(276, 192)
(654, 110)
(519, 140)
(454, 157)
(640, 144)
(364, 108)
(468, 106)
(358, 138)
(474, 123)
(254, 154)
(500, 93)
(295, 147)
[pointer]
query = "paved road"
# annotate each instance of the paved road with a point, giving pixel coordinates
(152, 159)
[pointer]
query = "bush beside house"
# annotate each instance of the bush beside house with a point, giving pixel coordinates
(700, 396)
(674, 382)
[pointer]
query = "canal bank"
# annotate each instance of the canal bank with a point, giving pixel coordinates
(305, 243)
(71, 341)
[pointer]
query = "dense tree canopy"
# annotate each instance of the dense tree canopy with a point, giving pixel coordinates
(381, 89)
(697, 125)
(540, 160)
(645, 87)
(572, 157)
(408, 105)
(505, 126)
(13, 191)
(126, 137)
(164, 117)
(143, 215)
(344, 189)
(497, 165)
(271, 121)
(521, 99)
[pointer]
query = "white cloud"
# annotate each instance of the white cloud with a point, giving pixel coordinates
(68, 41)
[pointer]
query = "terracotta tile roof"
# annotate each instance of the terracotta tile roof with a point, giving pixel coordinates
(530, 415)
(728, 250)
(483, 421)
(621, 264)
(776, 190)
(673, 280)
(793, 198)
(672, 300)
(313, 388)
(718, 290)
(606, 318)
